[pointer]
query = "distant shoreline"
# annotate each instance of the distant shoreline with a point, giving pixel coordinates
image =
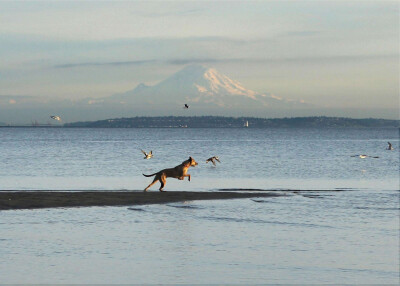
(235, 122)
(30, 126)
(224, 122)
(14, 200)
(177, 127)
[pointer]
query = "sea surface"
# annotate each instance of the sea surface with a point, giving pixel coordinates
(337, 220)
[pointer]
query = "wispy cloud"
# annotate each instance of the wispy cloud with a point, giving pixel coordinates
(94, 64)
(299, 34)
(179, 12)
(187, 61)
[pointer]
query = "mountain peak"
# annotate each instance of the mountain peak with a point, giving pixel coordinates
(202, 80)
(203, 87)
(194, 68)
(189, 73)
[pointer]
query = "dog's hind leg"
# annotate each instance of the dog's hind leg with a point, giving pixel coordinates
(152, 183)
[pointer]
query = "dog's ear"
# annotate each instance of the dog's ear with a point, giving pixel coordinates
(190, 159)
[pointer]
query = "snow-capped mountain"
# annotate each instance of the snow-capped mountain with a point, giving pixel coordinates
(205, 90)
(200, 87)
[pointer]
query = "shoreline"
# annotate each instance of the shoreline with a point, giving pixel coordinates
(14, 200)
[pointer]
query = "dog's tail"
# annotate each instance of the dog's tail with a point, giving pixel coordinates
(149, 175)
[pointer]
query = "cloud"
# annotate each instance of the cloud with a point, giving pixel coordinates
(181, 12)
(299, 34)
(197, 61)
(93, 64)
(187, 61)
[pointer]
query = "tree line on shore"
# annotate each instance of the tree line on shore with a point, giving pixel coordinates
(234, 122)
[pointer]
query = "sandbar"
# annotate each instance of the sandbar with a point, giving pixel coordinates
(13, 200)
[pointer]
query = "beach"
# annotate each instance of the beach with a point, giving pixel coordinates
(10, 200)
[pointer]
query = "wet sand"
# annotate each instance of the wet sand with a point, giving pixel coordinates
(12, 200)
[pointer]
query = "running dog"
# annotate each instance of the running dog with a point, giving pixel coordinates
(179, 172)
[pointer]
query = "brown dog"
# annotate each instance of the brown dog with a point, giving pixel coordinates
(179, 172)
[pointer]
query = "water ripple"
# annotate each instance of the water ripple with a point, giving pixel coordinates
(252, 220)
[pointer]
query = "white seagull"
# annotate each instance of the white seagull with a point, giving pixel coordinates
(147, 155)
(364, 156)
(212, 159)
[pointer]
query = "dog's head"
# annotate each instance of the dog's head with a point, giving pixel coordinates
(192, 162)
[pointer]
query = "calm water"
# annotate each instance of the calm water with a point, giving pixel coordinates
(346, 232)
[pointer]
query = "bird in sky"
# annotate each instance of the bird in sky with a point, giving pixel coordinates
(390, 147)
(147, 155)
(186, 106)
(55, 117)
(213, 159)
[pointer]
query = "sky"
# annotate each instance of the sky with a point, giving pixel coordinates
(339, 55)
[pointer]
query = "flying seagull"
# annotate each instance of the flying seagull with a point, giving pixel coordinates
(147, 155)
(364, 156)
(55, 117)
(186, 106)
(212, 159)
(390, 147)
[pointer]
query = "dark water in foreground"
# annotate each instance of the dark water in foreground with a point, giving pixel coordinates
(347, 232)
